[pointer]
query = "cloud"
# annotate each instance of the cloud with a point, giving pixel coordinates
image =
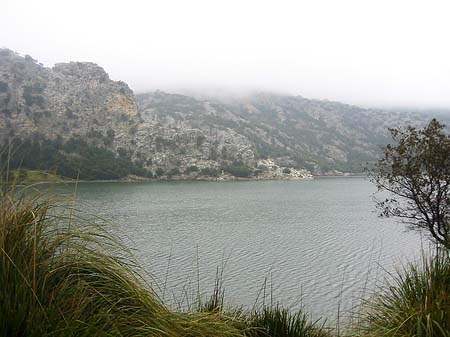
(362, 52)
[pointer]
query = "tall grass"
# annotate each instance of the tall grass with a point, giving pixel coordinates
(60, 280)
(280, 322)
(61, 276)
(415, 302)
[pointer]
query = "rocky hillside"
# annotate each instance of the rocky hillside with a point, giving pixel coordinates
(322, 136)
(74, 116)
(70, 99)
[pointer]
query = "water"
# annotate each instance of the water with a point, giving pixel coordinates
(317, 244)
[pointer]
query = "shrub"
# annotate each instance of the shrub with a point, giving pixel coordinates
(159, 172)
(199, 140)
(241, 171)
(192, 168)
(3, 86)
(209, 171)
(173, 172)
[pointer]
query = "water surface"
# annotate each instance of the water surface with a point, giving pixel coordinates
(315, 243)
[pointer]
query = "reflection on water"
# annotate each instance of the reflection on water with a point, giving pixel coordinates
(319, 242)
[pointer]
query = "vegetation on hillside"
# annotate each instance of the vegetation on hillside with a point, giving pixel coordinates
(169, 131)
(74, 158)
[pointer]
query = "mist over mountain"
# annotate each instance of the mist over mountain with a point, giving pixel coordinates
(88, 120)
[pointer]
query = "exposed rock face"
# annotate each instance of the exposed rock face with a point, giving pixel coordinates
(268, 169)
(75, 98)
(295, 132)
(178, 133)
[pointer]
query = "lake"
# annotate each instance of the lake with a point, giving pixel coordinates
(314, 243)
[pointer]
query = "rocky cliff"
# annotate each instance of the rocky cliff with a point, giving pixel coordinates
(70, 99)
(78, 110)
(324, 137)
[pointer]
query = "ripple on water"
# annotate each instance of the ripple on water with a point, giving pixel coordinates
(309, 242)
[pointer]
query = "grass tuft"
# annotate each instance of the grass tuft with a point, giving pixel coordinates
(280, 322)
(61, 280)
(416, 302)
(61, 276)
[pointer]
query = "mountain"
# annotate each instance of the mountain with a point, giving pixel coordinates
(75, 120)
(321, 136)
(72, 118)
(69, 99)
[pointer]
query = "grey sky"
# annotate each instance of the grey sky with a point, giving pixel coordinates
(381, 52)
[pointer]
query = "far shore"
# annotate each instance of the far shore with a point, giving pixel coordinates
(190, 179)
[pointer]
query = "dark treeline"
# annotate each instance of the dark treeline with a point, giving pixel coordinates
(73, 158)
(76, 158)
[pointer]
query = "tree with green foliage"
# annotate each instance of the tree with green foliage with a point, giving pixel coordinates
(192, 168)
(173, 172)
(416, 174)
(239, 170)
(74, 158)
(159, 172)
(210, 172)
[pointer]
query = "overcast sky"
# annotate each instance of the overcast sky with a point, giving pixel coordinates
(372, 53)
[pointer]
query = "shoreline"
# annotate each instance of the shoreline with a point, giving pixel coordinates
(201, 179)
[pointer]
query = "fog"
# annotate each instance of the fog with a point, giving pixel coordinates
(370, 53)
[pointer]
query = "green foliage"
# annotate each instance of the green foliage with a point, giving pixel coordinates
(62, 277)
(95, 134)
(74, 158)
(110, 135)
(416, 302)
(280, 322)
(69, 114)
(192, 168)
(199, 140)
(133, 130)
(3, 87)
(287, 170)
(28, 176)
(213, 155)
(239, 170)
(224, 153)
(33, 96)
(159, 172)
(416, 173)
(173, 172)
(210, 172)
(124, 117)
